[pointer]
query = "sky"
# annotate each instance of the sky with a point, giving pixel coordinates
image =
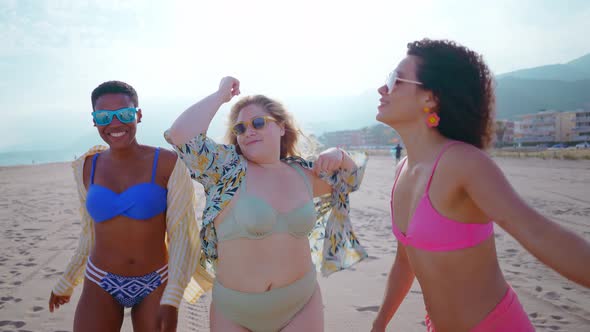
(53, 53)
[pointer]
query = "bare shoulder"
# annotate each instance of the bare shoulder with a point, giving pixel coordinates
(466, 161)
(167, 161)
(168, 156)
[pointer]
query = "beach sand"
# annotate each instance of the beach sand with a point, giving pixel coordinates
(39, 226)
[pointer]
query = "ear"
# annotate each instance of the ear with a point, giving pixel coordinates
(282, 126)
(430, 101)
(139, 115)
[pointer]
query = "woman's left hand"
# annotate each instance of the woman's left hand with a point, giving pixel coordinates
(328, 161)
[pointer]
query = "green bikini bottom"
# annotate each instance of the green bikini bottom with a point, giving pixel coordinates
(267, 311)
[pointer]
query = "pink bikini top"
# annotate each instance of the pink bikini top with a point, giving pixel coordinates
(428, 230)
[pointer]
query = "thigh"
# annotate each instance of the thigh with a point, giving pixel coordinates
(311, 317)
(218, 323)
(97, 310)
(145, 314)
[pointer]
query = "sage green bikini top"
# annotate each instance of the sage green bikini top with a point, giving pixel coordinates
(253, 218)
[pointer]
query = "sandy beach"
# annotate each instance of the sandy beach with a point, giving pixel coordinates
(39, 226)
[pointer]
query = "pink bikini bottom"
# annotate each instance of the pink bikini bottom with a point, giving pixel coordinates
(508, 315)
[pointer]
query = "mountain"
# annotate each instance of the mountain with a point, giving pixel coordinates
(575, 70)
(518, 96)
(582, 63)
(560, 87)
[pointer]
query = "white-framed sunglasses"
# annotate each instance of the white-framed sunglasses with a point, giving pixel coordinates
(392, 78)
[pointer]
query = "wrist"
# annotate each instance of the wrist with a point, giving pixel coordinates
(219, 98)
(380, 321)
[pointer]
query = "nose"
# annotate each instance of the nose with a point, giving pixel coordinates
(383, 90)
(249, 130)
(115, 121)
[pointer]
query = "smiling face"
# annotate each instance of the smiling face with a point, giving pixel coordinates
(117, 134)
(259, 145)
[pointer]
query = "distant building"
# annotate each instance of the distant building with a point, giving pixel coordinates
(551, 126)
(581, 130)
(505, 131)
(342, 138)
(373, 137)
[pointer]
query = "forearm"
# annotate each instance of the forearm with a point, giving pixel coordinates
(179, 274)
(183, 249)
(573, 258)
(72, 275)
(74, 272)
(196, 119)
(399, 282)
(557, 247)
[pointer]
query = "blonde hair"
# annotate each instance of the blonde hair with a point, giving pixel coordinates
(276, 110)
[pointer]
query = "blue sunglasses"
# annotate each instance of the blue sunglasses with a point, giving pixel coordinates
(104, 117)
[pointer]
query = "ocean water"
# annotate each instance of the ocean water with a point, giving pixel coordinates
(37, 157)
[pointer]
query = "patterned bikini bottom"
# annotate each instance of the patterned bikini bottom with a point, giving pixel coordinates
(128, 291)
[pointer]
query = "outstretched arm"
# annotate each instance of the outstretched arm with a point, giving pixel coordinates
(556, 246)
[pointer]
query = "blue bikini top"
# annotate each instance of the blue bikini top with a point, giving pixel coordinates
(141, 201)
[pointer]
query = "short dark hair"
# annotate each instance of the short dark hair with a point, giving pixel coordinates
(114, 87)
(462, 85)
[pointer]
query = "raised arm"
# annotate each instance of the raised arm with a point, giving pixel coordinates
(196, 119)
(556, 246)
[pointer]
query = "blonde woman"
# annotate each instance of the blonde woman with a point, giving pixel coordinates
(261, 226)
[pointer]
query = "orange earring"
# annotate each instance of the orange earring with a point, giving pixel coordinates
(426, 110)
(432, 120)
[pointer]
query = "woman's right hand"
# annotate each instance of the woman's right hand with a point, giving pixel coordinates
(196, 119)
(56, 300)
(229, 87)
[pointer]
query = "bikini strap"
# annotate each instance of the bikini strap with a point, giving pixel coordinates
(155, 167)
(93, 167)
(399, 172)
(305, 178)
(442, 151)
(243, 184)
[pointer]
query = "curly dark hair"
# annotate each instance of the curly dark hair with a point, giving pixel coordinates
(463, 87)
(114, 87)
